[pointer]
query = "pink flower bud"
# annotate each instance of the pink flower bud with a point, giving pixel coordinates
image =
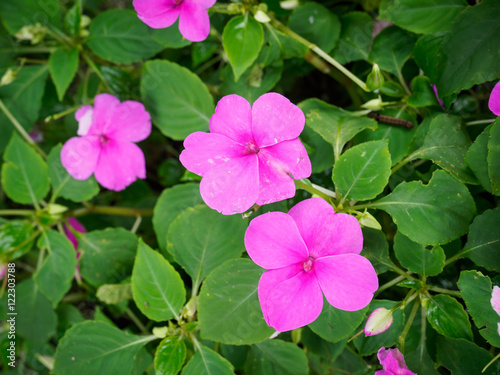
(378, 322)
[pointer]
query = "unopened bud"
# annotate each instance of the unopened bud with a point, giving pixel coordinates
(375, 79)
(289, 4)
(378, 322)
(84, 21)
(54, 209)
(374, 104)
(160, 332)
(367, 220)
(262, 17)
(34, 33)
(9, 76)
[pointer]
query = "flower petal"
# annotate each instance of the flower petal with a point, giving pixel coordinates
(289, 297)
(194, 23)
(494, 102)
(348, 280)
(393, 361)
(85, 117)
(325, 232)
(79, 156)
(203, 151)
(129, 122)
(231, 187)
(275, 119)
(273, 241)
(152, 8)
(204, 3)
(495, 299)
(162, 20)
(233, 118)
(104, 106)
(120, 164)
(291, 156)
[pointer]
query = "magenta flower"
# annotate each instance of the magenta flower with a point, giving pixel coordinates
(309, 252)
(106, 145)
(393, 363)
(78, 227)
(495, 303)
(494, 102)
(249, 153)
(194, 23)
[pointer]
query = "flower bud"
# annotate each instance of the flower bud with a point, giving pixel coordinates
(289, 4)
(374, 104)
(367, 220)
(34, 33)
(9, 76)
(375, 79)
(262, 17)
(378, 322)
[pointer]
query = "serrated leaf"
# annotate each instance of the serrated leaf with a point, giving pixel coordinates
(63, 65)
(170, 356)
(432, 214)
(242, 39)
(207, 362)
(362, 172)
(448, 317)
(178, 101)
(157, 288)
(16, 239)
(493, 157)
(24, 173)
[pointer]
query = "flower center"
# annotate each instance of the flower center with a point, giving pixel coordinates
(308, 264)
(103, 139)
(178, 2)
(252, 148)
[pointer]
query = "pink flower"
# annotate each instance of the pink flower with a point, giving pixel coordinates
(106, 144)
(78, 227)
(194, 23)
(393, 363)
(249, 154)
(494, 102)
(495, 302)
(309, 252)
(378, 322)
(434, 88)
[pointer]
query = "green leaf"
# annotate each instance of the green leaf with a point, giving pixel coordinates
(421, 362)
(90, 348)
(120, 37)
(362, 172)
(391, 48)
(335, 125)
(142, 363)
(24, 173)
(422, 16)
(16, 14)
(171, 37)
(493, 157)
(23, 98)
(242, 39)
(63, 185)
(201, 239)
(448, 317)
(107, 255)
(368, 345)
(476, 291)
(72, 19)
(355, 37)
(376, 250)
(178, 101)
(55, 276)
(317, 24)
(170, 356)
(422, 93)
(446, 144)
(276, 357)
(416, 258)
(432, 214)
(113, 294)
(169, 205)
(229, 311)
(335, 325)
(36, 320)
(16, 239)
(463, 357)
(483, 241)
(207, 362)
(320, 151)
(7, 49)
(63, 65)
(157, 288)
(476, 159)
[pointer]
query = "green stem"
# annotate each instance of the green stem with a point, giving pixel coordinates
(57, 116)
(437, 289)
(389, 284)
(136, 320)
(96, 71)
(137, 222)
(28, 50)
(16, 212)
(402, 337)
(20, 129)
(313, 189)
(108, 210)
(480, 122)
(490, 363)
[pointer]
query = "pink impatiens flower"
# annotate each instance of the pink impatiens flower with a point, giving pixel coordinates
(495, 303)
(106, 145)
(494, 102)
(393, 363)
(309, 252)
(249, 153)
(78, 227)
(194, 23)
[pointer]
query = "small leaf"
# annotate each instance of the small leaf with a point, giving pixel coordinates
(493, 157)
(448, 317)
(422, 93)
(242, 39)
(170, 356)
(416, 258)
(476, 158)
(113, 294)
(156, 286)
(16, 239)
(207, 362)
(63, 65)
(72, 19)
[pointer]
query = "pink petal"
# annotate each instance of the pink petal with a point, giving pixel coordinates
(393, 362)
(494, 102)
(162, 20)
(129, 122)
(204, 3)
(203, 151)
(348, 280)
(152, 8)
(104, 107)
(275, 119)
(81, 112)
(120, 164)
(194, 23)
(79, 156)
(291, 156)
(495, 299)
(231, 187)
(273, 241)
(290, 298)
(233, 118)
(325, 232)
(77, 226)
(274, 186)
